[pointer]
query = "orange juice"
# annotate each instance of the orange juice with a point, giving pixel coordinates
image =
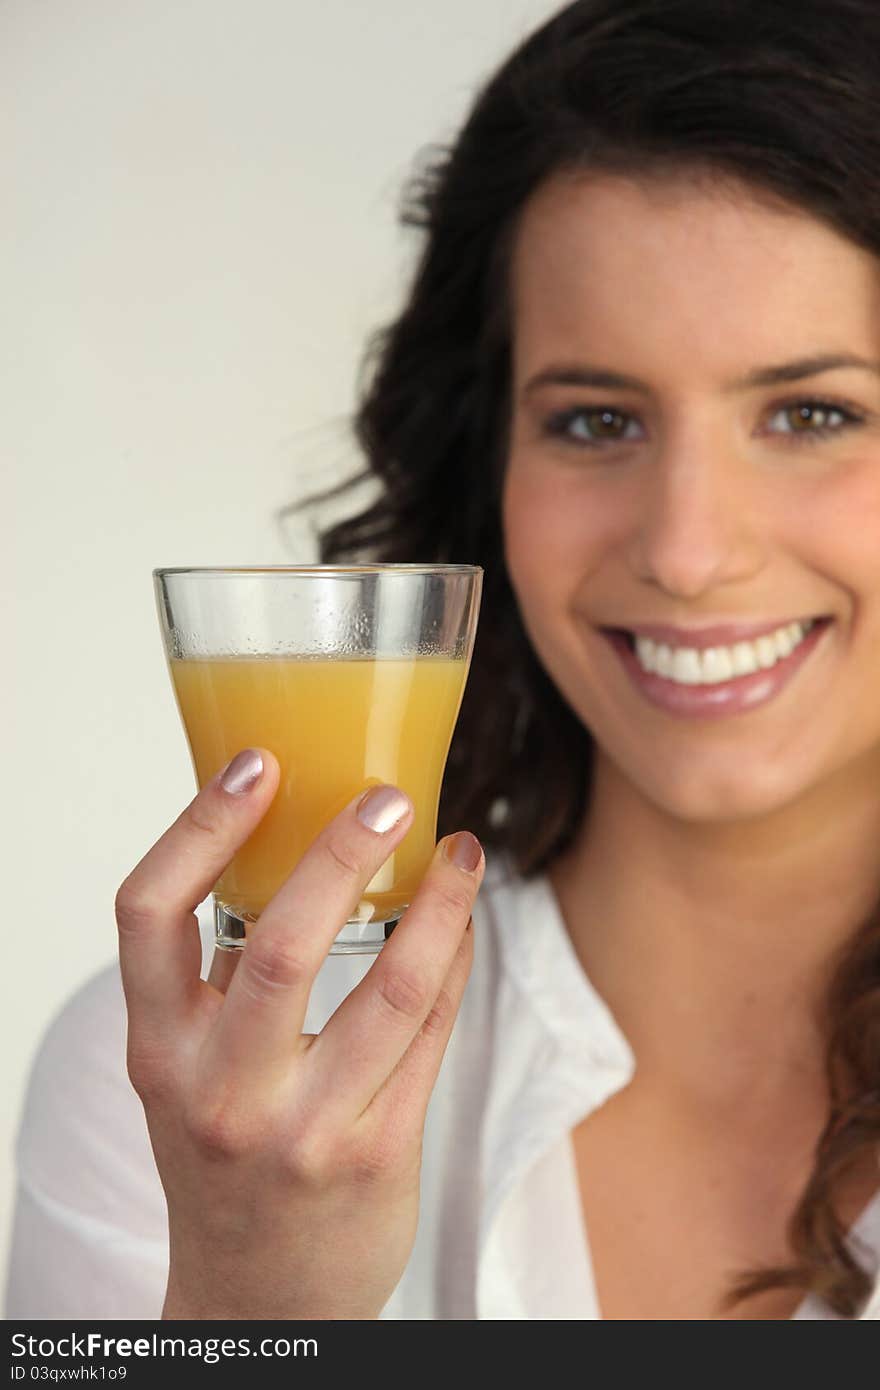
(336, 727)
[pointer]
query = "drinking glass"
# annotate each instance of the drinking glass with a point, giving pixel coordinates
(352, 676)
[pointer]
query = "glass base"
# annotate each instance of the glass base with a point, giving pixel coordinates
(356, 937)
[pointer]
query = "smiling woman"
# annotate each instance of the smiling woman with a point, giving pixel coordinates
(636, 380)
(686, 499)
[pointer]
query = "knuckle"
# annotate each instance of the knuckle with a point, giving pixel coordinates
(216, 1131)
(344, 857)
(197, 817)
(387, 1151)
(134, 910)
(375, 1158)
(310, 1158)
(271, 964)
(371, 1165)
(149, 1073)
(452, 901)
(402, 994)
(440, 1014)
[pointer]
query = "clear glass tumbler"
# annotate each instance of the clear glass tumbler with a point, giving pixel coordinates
(352, 676)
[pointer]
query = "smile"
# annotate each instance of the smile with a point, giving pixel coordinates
(719, 680)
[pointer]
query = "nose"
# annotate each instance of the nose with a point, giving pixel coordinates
(698, 522)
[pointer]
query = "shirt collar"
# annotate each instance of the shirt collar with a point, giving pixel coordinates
(558, 1053)
(539, 957)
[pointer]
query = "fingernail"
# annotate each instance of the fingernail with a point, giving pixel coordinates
(464, 850)
(382, 807)
(243, 773)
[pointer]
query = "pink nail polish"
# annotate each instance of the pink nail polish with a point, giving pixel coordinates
(243, 773)
(382, 807)
(464, 849)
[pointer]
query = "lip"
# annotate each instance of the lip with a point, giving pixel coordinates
(715, 635)
(735, 696)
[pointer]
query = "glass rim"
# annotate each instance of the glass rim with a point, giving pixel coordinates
(317, 569)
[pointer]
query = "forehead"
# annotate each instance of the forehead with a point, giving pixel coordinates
(688, 270)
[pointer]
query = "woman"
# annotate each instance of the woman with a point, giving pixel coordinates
(638, 380)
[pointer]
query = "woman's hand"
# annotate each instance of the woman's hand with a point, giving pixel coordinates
(290, 1162)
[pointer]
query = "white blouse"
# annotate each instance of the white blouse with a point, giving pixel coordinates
(501, 1233)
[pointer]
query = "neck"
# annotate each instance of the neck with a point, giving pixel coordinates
(713, 945)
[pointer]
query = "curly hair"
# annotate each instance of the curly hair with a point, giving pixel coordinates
(783, 98)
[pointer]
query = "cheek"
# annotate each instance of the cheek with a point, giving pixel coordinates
(553, 537)
(843, 521)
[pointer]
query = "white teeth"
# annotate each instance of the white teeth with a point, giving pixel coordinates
(785, 642)
(686, 666)
(717, 664)
(766, 649)
(714, 664)
(745, 659)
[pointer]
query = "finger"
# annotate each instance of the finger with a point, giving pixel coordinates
(257, 1029)
(375, 1025)
(400, 1105)
(159, 947)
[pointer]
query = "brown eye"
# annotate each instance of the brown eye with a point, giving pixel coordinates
(813, 418)
(606, 424)
(805, 417)
(592, 426)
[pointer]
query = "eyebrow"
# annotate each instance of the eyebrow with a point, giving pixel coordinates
(602, 377)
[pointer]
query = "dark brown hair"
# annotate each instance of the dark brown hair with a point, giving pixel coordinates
(782, 97)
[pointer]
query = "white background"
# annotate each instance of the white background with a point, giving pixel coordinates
(198, 234)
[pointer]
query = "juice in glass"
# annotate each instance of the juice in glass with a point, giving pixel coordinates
(336, 725)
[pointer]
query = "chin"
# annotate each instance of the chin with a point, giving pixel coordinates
(709, 794)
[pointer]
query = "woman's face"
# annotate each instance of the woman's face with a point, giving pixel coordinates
(713, 488)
